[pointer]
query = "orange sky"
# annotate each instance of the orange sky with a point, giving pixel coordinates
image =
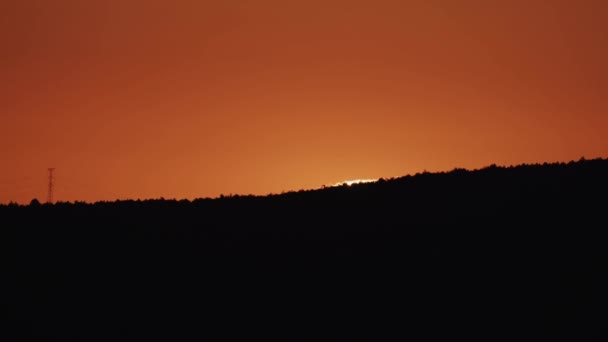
(186, 99)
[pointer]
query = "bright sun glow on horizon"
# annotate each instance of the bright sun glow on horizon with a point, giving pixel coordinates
(355, 181)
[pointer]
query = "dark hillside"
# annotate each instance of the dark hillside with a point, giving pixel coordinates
(501, 251)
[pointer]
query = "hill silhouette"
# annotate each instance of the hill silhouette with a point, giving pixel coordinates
(495, 252)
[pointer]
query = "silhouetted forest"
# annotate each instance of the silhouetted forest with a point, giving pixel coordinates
(496, 252)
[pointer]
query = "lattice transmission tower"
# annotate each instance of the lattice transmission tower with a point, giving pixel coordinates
(51, 185)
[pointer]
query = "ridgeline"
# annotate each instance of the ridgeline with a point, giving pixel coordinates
(496, 252)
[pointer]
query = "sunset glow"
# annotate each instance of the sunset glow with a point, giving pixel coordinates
(355, 181)
(188, 99)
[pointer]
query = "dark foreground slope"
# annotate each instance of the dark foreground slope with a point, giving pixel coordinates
(496, 252)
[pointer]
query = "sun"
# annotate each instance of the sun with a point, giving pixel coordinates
(355, 181)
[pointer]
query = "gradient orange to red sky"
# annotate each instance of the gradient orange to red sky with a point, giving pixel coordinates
(187, 99)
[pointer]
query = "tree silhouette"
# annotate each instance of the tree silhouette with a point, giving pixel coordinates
(501, 250)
